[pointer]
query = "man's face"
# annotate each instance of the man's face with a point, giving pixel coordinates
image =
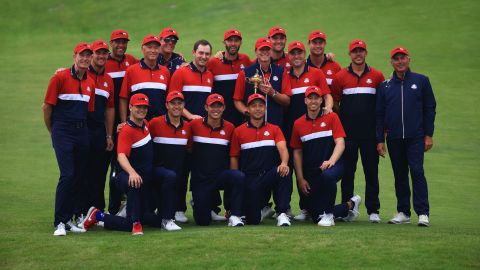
(358, 56)
(313, 102)
(232, 45)
(82, 60)
(100, 57)
(175, 107)
(151, 50)
(119, 46)
(297, 57)
(263, 54)
(400, 62)
(215, 110)
(278, 42)
(317, 46)
(168, 44)
(138, 112)
(202, 55)
(256, 109)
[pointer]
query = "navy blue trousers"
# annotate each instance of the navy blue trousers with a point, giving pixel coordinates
(369, 156)
(256, 186)
(204, 193)
(407, 155)
(162, 192)
(70, 142)
(323, 190)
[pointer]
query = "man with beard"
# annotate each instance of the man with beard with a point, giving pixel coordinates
(146, 77)
(317, 40)
(278, 37)
(354, 87)
(167, 57)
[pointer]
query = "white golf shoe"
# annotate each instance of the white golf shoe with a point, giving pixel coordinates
(234, 221)
(217, 217)
(326, 220)
(180, 217)
(169, 225)
(304, 215)
(423, 221)
(283, 220)
(399, 218)
(374, 218)
(60, 230)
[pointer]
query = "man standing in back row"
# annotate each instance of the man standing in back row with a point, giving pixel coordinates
(405, 116)
(354, 87)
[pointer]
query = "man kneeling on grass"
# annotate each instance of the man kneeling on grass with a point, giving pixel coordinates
(135, 156)
(318, 143)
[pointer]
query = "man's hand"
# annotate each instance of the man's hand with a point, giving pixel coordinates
(381, 149)
(59, 70)
(327, 164)
(283, 169)
(109, 143)
(120, 126)
(327, 110)
(428, 143)
(194, 116)
(330, 56)
(219, 55)
(135, 180)
(267, 88)
(304, 186)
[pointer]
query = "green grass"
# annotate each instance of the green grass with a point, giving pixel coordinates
(442, 36)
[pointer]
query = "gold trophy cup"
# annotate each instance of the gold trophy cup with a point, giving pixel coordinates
(255, 80)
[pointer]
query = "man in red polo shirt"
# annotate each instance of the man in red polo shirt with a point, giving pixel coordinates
(317, 40)
(147, 77)
(318, 143)
(354, 87)
(259, 150)
(278, 36)
(69, 98)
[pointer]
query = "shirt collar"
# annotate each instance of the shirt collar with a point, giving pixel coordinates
(306, 68)
(132, 124)
(250, 125)
(194, 68)
(395, 77)
(275, 61)
(205, 122)
(91, 69)
(367, 69)
(119, 61)
(73, 72)
(226, 61)
(144, 66)
(309, 61)
(320, 114)
(167, 119)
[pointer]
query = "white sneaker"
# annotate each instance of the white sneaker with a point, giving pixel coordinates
(180, 217)
(216, 217)
(399, 218)
(423, 221)
(79, 221)
(122, 212)
(169, 225)
(100, 224)
(304, 215)
(354, 213)
(74, 228)
(283, 220)
(267, 212)
(234, 221)
(374, 218)
(60, 230)
(326, 220)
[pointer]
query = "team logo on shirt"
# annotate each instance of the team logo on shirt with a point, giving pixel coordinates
(105, 84)
(177, 67)
(266, 133)
(275, 78)
(242, 66)
(323, 124)
(369, 81)
(161, 77)
(329, 72)
(208, 80)
(287, 65)
(88, 88)
(306, 80)
(127, 64)
(414, 86)
(222, 132)
(183, 132)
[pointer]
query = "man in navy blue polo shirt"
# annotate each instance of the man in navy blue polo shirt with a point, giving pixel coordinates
(318, 143)
(259, 150)
(135, 157)
(69, 98)
(405, 116)
(210, 164)
(167, 57)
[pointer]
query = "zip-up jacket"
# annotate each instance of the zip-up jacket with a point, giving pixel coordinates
(405, 108)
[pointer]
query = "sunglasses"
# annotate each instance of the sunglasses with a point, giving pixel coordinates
(170, 39)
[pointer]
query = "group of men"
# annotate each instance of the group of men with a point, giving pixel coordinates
(160, 121)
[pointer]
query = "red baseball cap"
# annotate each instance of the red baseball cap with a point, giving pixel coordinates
(215, 98)
(150, 38)
(399, 50)
(173, 95)
(82, 46)
(99, 44)
(255, 96)
(317, 34)
(313, 90)
(296, 45)
(166, 32)
(263, 42)
(119, 34)
(232, 32)
(276, 30)
(357, 43)
(139, 99)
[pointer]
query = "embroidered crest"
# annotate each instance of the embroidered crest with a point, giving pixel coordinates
(275, 78)
(306, 80)
(323, 124)
(329, 72)
(105, 84)
(162, 78)
(369, 81)
(414, 86)
(222, 132)
(266, 133)
(183, 132)
(127, 64)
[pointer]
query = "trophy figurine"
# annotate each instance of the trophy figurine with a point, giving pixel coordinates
(255, 80)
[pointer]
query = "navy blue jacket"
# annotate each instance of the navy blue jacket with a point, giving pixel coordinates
(405, 108)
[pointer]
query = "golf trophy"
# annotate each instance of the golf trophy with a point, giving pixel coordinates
(255, 80)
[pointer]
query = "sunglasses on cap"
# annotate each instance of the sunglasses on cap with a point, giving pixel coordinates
(170, 39)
